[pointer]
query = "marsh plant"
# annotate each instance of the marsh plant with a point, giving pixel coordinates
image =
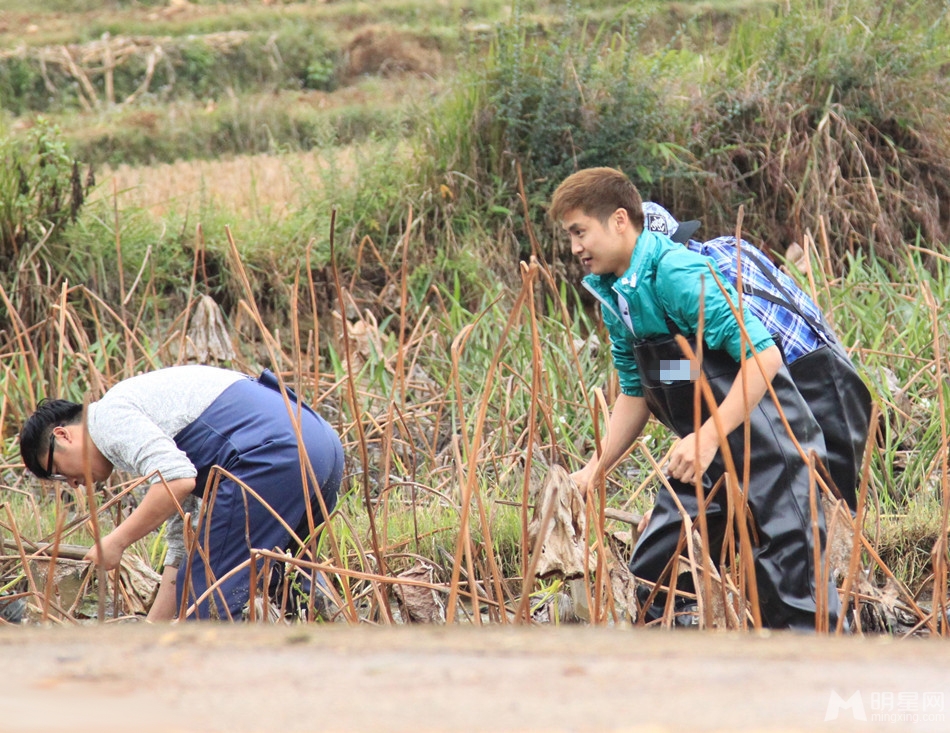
(414, 292)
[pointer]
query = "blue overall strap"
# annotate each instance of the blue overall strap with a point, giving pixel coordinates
(269, 380)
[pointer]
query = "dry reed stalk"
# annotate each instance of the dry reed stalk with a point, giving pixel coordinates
(737, 497)
(375, 578)
(861, 510)
(600, 486)
(940, 550)
(398, 393)
(494, 571)
(529, 275)
(705, 608)
(298, 371)
(272, 344)
(744, 343)
(90, 487)
(57, 533)
(465, 535)
(314, 343)
(298, 386)
(356, 412)
(199, 252)
(472, 447)
(820, 577)
(62, 342)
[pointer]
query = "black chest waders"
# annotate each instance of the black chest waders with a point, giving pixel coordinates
(778, 490)
(841, 403)
(831, 387)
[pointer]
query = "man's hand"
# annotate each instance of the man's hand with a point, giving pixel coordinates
(112, 549)
(156, 506)
(627, 418)
(685, 464)
(644, 522)
(582, 479)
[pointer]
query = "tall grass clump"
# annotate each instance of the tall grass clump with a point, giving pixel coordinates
(823, 118)
(41, 189)
(899, 335)
(890, 316)
(552, 101)
(836, 110)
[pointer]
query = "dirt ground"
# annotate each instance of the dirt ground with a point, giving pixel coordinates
(197, 677)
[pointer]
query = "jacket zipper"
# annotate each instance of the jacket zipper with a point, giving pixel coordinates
(609, 305)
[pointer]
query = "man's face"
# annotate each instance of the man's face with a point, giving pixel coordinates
(601, 249)
(68, 457)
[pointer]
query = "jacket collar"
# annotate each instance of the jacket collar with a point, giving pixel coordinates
(645, 252)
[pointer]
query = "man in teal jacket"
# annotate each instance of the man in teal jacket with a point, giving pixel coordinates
(651, 289)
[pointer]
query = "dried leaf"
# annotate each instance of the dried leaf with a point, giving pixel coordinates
(840, 536)
(624, 587)
(724, 615)
(563, 548)
(208, 337)
(419, 605)
(363, 337)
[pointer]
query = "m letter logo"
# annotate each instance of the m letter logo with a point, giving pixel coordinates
(854, 703)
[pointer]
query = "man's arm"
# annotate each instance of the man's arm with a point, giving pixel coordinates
(163, 607)
(732, 413)
(157, 506)
(628, 417)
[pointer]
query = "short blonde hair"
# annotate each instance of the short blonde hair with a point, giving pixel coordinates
(597, 192)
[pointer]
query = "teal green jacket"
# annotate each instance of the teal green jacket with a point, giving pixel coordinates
(636, 305)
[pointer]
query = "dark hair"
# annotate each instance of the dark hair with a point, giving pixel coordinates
(34, 438)
(597, 192)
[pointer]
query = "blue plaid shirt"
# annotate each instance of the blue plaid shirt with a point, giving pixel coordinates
(796, 336)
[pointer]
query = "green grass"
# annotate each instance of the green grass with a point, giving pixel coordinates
(409, 418)
(470, 380)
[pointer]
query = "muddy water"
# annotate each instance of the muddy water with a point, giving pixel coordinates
(220, 678)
